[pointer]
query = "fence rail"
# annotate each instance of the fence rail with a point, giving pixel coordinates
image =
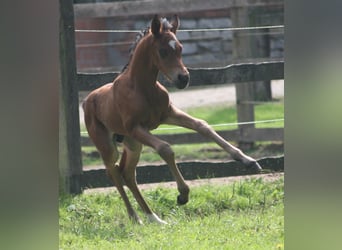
(129, 8)
(95, 178)
(235, 73)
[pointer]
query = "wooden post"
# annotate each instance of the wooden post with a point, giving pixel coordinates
(244, 91)
(70, 163)
(260, 48)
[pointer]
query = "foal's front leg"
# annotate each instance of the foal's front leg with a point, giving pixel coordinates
(164, 150)
(180, 118)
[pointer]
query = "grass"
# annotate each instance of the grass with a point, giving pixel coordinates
(208, 151)
(244, 215)
(223, 115)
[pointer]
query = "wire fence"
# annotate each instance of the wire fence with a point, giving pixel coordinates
(221, 124)
(126, 43)
(187, 30)
(270, 27)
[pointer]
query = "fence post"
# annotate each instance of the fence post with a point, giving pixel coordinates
(70, 163)
(244, 91)
(260, 49)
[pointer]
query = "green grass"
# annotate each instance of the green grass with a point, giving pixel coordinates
(244, 215)
(224, 115)
(182, 153)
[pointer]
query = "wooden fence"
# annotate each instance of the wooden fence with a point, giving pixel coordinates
(238, 73)
(71, 172)
(192, 170)
(129, 8)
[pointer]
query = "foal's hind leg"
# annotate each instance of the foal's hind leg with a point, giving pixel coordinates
(103, 142)
(128, 165)
(180, 118)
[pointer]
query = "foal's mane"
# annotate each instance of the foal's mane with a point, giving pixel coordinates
(165, 26)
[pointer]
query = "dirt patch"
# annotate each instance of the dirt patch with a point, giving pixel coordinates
(194, 183)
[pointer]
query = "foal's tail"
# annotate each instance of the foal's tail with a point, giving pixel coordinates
(83, 104)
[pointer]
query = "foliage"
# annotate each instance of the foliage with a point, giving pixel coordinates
(244, 215)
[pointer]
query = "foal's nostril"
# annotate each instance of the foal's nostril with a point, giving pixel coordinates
(183, 78)
(182, 81)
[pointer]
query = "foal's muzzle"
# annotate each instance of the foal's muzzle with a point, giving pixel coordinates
(182, 81)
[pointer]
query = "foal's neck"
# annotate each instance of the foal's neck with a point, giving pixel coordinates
(142, 70)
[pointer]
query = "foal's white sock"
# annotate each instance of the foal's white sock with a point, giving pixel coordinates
(154, 218)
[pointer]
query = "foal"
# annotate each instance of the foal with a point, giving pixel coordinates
(136, 103)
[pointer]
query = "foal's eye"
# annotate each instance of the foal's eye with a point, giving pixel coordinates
(163, 53)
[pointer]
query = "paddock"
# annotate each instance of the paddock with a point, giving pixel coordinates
(75, 178)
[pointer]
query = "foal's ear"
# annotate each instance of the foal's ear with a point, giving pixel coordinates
(155, 25)
(175, 22)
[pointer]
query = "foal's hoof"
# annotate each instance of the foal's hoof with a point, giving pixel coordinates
(137, 220)
(182, 200)
(154, 218)
(255, 166)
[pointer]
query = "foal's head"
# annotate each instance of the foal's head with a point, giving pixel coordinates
(167, 51)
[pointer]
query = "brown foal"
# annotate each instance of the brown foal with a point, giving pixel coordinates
(136, 103)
